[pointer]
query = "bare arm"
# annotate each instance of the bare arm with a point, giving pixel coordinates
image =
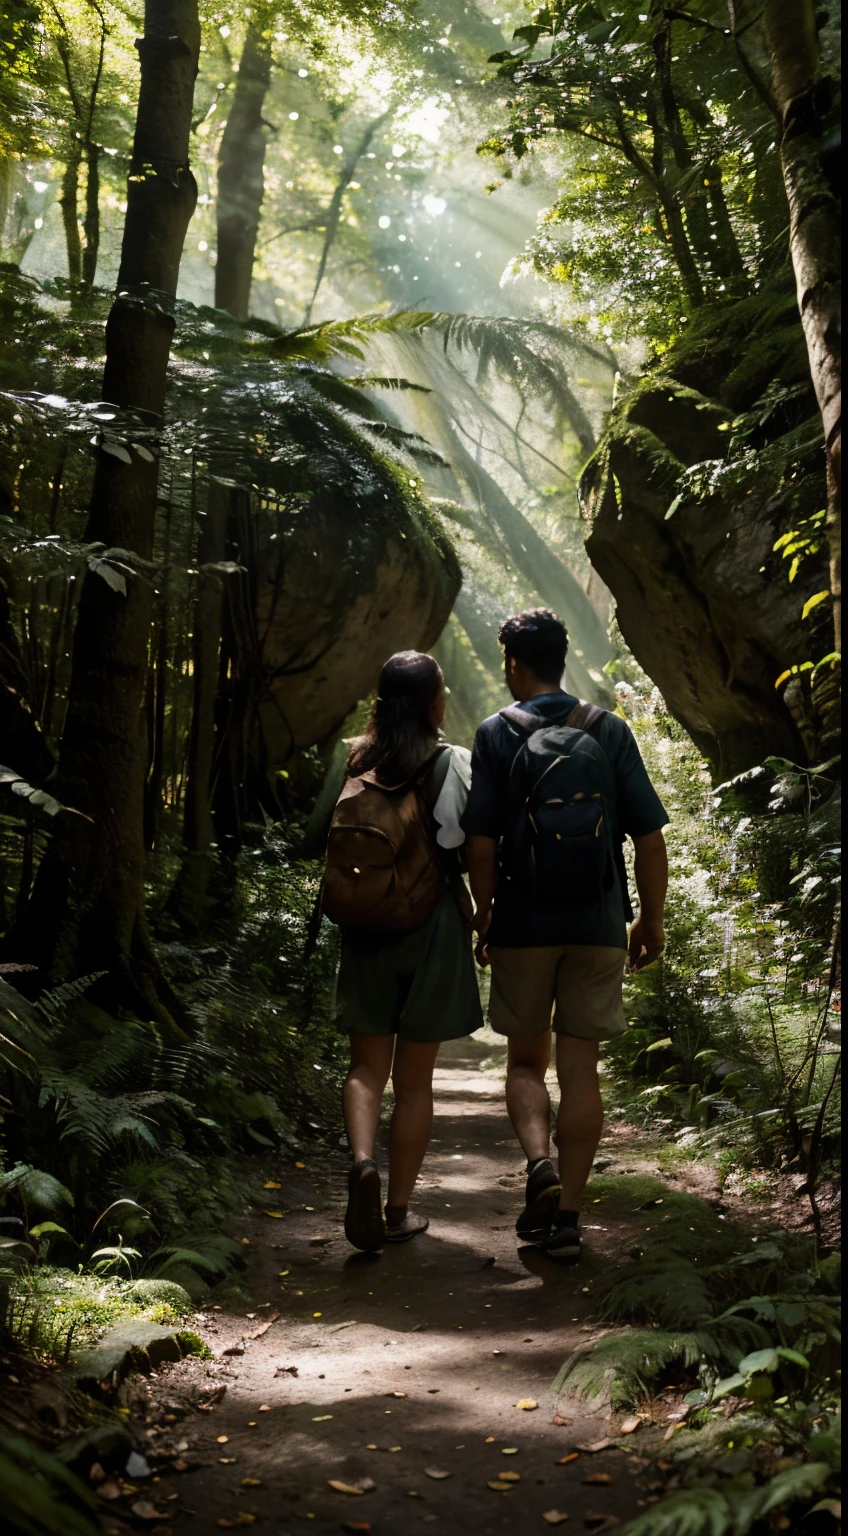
(482, 875)
(647, 936)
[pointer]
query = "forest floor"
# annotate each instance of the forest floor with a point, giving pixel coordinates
(422, 1374)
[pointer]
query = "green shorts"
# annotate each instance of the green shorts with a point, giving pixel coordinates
(420, 985)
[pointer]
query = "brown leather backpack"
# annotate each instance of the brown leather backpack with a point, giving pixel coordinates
(383, 870)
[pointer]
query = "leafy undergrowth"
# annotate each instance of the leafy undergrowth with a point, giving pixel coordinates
(56, 1311)
(41, 1497)
(731, 1343)
(127, 1159)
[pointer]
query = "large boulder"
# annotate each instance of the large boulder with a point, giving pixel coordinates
(702, 596)
(335, 596)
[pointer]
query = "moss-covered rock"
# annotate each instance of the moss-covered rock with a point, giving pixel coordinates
(702, 597)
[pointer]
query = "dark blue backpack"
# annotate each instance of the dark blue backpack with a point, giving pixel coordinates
(560, 842)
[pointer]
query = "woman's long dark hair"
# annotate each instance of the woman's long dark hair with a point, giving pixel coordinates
(399, 737)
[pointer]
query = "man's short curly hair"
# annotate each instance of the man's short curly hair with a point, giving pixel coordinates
(539, 640)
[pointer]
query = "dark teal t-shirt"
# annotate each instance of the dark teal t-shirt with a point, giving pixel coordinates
(518, 921)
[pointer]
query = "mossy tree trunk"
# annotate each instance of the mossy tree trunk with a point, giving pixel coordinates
(802, 97)
(241, 169)
(87, 913)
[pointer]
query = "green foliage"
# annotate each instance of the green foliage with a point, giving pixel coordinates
(733, 1510)
(40, 1496)
(624, 1366)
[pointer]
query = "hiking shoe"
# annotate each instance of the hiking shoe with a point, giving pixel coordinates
(562, 1244)
(541, 1202)
(402, 1231)
(364, 1226)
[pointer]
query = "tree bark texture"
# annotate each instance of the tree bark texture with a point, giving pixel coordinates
(241, 165)
(69, 204)
(87, 908)
(802, 95)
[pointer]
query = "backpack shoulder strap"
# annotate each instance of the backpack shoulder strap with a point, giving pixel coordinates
(524, 720)
(431, 776)
(586, 717)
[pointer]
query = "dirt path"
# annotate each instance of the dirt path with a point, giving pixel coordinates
(393, 1367)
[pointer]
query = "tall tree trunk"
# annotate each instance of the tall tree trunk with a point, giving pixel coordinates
(69, 204)
(801, 95)
(91, 220)
(241, 165)
(87, 908)
(188, 900)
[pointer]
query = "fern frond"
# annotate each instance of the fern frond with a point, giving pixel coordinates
(345, 338)
(53, 1005)
(673, 1294)
(624, 1363)
(692, 1512)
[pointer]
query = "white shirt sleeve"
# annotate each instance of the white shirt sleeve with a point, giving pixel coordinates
(450, 805)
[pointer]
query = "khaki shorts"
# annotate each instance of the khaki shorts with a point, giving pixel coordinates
(580, 984)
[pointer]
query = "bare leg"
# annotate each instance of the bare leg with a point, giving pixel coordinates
(581, 1116)
(370, 1064)
(412, 1118)
(528, 1102)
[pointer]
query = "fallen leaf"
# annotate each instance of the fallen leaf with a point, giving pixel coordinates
(628, 1426)
(509, 1450)
(436, 1473)
(558, 1419)
(109, 1490)
(554, 1516)
(251, 1482)
(412, 1493)
(286, 1370)
(281, 1274)
(489, 1440)
(272, 1184)
(300, 1165)
(182, 1445)
(144, 1510)
(340, 1487)
(563, 1460)
(263, 1327)
(499, 1486)
(277, 1215)
(179, 1466)
(264, 1407)
(96, 1473)
(321, 1418)
(597, 1477)
(596, 1445)
(508, 1477)
(227, 1461)
(527, 1404)
(397, 1394)
(317, 1314)
(319, 1239)
(222, 1439)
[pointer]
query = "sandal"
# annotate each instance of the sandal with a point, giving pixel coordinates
(402, 1231)
(364, 1226)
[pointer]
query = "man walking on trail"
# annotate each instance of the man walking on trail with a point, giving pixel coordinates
(556, 786)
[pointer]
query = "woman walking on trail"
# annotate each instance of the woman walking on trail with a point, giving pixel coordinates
(407, 979)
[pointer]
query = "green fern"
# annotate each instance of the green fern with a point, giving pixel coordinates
(692, 1512)
(672, 1294)
(625, 1363)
